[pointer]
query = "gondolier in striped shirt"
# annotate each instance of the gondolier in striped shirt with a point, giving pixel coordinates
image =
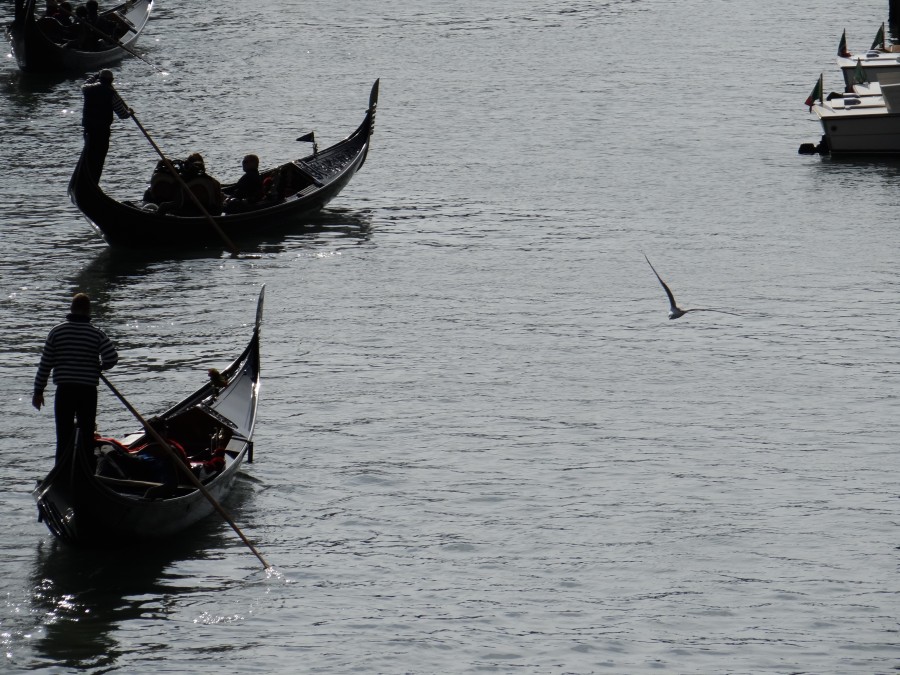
(75, 352)
(101, 100)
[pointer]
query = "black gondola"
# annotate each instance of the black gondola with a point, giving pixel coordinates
(42, 45)
(304, 186)
(105, 497)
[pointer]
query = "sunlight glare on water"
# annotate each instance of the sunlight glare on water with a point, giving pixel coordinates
(481, 445)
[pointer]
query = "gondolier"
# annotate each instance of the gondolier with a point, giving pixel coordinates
(101, 100)
(75, 352)
(107, 498)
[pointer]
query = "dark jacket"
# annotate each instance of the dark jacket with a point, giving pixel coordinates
(249, 187)
(100, 101)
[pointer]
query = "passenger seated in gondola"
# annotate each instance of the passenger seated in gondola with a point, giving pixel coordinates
(88, 31)
(52, 23)
(107, 28)
(205, 188)
(166, 191)
(52, 10)
(248, 191)
(193, 166)
(66, 16)
(81, 36)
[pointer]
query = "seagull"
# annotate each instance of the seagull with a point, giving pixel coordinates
(675, 311)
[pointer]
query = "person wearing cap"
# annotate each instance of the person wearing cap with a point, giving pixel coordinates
(101, 100)
(75, 352)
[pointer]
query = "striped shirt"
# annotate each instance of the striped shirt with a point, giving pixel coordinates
(76, 351)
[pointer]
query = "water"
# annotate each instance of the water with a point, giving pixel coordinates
(481, 445)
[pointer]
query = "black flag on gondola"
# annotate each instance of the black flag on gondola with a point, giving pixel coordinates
(310, 138)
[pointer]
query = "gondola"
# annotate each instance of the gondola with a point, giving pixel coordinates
(304, 186)
(40, 44)
(126, 491)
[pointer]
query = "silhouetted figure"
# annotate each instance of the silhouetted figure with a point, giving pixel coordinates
(75, 352)
(100, 101)
(244, 194)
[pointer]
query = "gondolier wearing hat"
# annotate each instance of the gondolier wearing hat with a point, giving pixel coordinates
(75, 351)
(101, 100)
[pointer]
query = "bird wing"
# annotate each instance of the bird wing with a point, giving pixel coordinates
(704, 309)
(665, 288)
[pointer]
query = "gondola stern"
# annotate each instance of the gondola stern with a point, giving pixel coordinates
(55, 504)
(24, 12)
(16, 32)
(75, 179)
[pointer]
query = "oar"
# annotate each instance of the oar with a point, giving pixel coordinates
(186, 469)
(228, 243)
(121, 45)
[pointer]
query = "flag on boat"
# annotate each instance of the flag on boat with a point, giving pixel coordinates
(842, 47)
(816, 94)
(878, 42)
(310, 138)
(859, 73)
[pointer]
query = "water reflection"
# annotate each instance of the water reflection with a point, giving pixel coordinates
(114, 268)
(888, 167)
(81, 596)
(108, 272)
(353, 225)
(28, 89)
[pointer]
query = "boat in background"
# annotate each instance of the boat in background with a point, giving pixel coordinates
(299, 189)
(128, 491)
(880, 60)
(40, 44)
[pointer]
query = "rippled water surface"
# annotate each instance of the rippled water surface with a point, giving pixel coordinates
(482, 446)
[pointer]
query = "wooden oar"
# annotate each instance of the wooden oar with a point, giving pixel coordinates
(186, 470)
(228, 243)
(119, 44)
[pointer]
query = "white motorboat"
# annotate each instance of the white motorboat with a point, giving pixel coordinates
(864, 121)
(872, 65)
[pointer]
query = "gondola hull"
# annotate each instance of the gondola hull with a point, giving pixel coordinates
(36, 52)
(82, 511)
(81, 505)
(316, 180)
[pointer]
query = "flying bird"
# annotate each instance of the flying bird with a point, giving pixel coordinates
(675, 311)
